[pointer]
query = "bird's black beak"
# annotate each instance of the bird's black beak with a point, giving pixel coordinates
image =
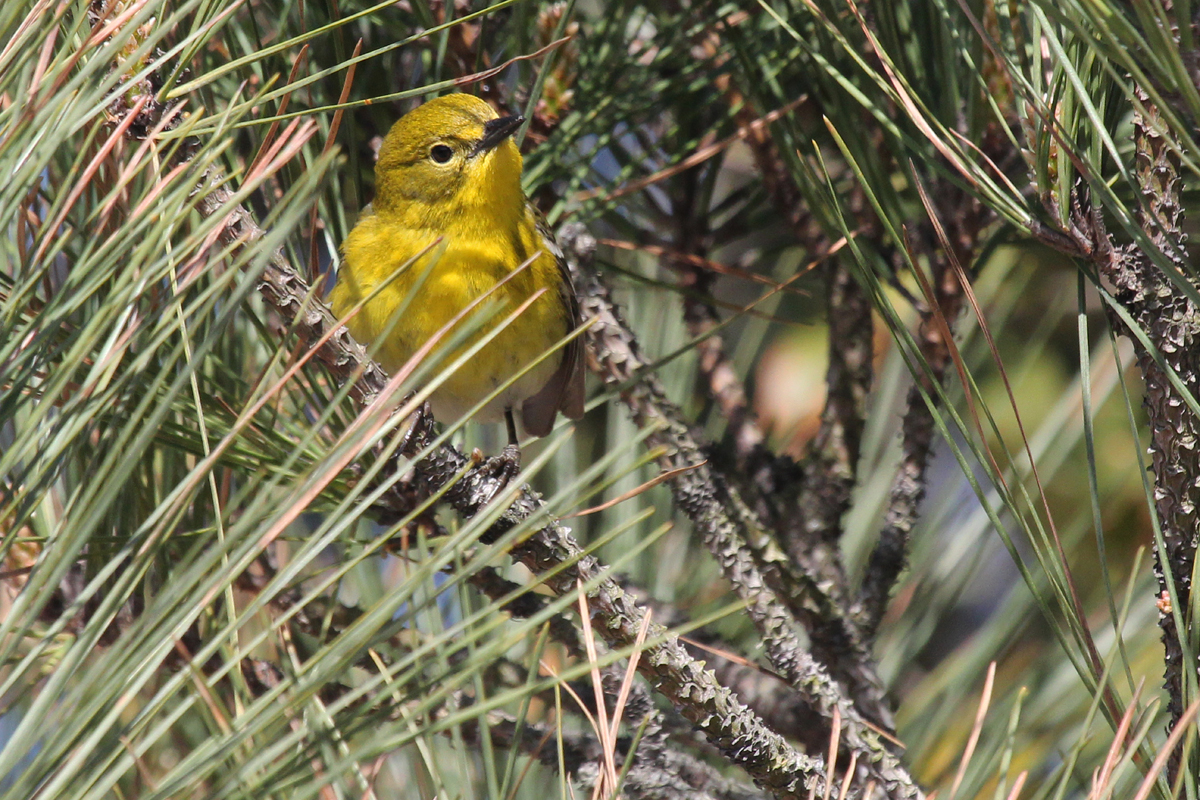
(496, 131)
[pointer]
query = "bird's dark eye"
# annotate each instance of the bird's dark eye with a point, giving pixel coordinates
(441, 153)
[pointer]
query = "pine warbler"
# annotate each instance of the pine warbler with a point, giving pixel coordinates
(449, 171)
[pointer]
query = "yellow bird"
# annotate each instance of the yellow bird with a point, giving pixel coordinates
(448, 178)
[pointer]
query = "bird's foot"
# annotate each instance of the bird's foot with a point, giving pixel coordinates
(497, 472)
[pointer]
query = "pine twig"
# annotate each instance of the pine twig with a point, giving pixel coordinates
(767, 693)
(812, 525)
(700, 316)
(890, 554)
(716, 369)
(917, 429)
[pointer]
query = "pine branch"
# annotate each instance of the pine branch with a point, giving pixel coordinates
(809, 527)
(657, 768)
(1171, 321)
(743, 550)
(729, 726)
(768, 694)
(677, 776)
(812, 534)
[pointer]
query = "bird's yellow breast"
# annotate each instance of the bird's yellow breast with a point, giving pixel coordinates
(468, 263)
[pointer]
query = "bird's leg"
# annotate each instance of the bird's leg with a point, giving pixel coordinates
(511, 424)
(511, 454)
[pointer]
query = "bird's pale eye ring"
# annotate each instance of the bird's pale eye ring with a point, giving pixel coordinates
(441, 154)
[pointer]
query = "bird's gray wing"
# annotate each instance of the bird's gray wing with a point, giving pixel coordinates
(564, 391)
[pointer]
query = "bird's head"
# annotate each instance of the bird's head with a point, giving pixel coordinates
(451, 156)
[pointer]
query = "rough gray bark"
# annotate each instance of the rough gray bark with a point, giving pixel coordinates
(727, 724)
